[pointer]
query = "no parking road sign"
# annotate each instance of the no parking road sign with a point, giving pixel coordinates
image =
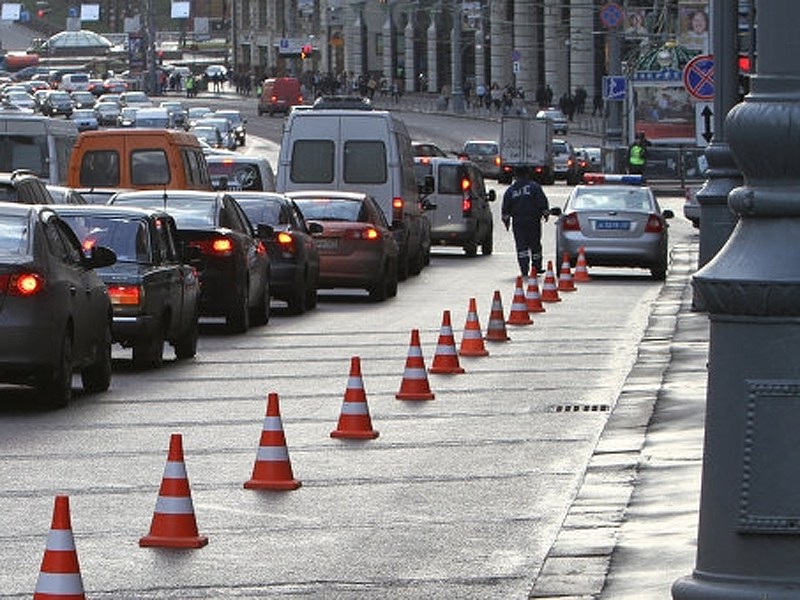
(698, 77)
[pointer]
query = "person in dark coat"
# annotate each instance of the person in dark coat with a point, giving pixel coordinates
(524, 206)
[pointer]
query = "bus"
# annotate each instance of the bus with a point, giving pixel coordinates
(36, 143)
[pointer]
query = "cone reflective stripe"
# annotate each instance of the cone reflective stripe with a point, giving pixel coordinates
(445, 361)
(496, 330)
(472, 338)
(173, 524)
(549, 289)
(415, 378)
(565, 282)
(532, 297)
(272, 470)
(354, 420)
(519, 307)
(59, 575)
(581, 268)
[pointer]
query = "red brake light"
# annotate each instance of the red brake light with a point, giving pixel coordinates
(125, 295)
(654, 224)
(397, 209)
(22, 284)
(570, 223)
(466, 206)
(366, 233)
(218, 246)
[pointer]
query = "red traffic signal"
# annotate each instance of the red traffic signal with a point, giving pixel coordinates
(744, 63)
(41, 13)
(306, 51)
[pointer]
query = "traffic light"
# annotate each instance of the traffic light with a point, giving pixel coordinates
(306, 51)
(42, 8)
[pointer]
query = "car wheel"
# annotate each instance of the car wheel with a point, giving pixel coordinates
(149, 354)
(377, 291)
(298, 299)
(471, 248)
(487, 247)
(311, 295)
(391, 280)
(402, 266)
(186, 345)
(238, 317)
(418, 262)
(55, 387)
(97, 376)
(259, 315)
(659, 273)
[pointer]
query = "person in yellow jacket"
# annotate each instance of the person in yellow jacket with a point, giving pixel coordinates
(637, 154)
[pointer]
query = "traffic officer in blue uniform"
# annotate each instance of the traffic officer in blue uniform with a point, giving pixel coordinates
(524, 206)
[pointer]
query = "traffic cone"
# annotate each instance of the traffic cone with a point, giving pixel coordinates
(565, 282)
(519, 307)
(173, 524)
(354, 421)
(415, 378)
(272, 470)
(496, 330)
(581, 268)
(549, 288)
(59, 575)
(532, 297)
(445, 360)
(472, 338)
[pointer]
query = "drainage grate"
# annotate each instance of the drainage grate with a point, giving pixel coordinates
(580, 408)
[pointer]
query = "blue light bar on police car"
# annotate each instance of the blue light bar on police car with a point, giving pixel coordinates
(599, 178)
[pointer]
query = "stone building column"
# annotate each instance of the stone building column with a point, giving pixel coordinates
(556, 33)
(525, 46)
(500, 35)
(582, 49)
(408, 65)
(387, 32)
(433, 70)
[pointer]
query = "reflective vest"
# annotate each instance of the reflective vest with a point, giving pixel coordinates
(637, 155)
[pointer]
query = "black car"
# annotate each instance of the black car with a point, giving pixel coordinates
(57, 103)
(55, 313)
(155, 296)
(107, 113)
(293, 254)
(233, 263)
(24, 187)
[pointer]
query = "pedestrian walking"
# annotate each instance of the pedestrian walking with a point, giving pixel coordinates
(524, 206)
(637, 154)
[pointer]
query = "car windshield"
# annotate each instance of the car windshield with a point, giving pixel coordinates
(329, 209)
(633, 199)
(480, 149)
(13, 234)
(261, 210)
(126, 236)
(189, 213)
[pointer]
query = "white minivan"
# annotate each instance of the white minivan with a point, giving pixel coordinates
(359, 150)
(74, 82)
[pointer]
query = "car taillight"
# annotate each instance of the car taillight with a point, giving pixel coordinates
(273, 99)
(497, 161)
(21, 284)
(366, 233)
(397, 209)
(570, 223)
(125, 295)
(285, 242)
(654, 224)
(221, 246)
(466, 206)
(299, 99)
(570, 162)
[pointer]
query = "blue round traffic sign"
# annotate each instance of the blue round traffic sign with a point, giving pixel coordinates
(611, 15)
(698, 77)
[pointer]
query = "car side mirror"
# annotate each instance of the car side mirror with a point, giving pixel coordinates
(315, 228)
(99, 257)
(492, 196)
(667, 213)
(555, 211)
(265, 231)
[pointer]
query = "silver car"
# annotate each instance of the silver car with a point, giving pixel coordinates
(617, 225)
(485, 154)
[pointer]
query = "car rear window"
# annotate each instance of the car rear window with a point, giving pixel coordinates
(13, 234)
(480, 149)
(149, 167)
(364, 162)
(127, 237)
(189, 213)
(449, 180)
(329, 209)
(100, 168)
(312, 161)
(259, 211)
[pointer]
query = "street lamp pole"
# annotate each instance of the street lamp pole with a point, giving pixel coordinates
(458, 67)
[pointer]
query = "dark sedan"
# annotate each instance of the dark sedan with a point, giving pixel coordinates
(155, 296)
(55, 313)
(293, 253)
(233, 262)
(356, 247)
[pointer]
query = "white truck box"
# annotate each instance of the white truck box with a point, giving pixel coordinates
(526, 141)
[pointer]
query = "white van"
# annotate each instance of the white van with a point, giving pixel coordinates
(366, 151)
(74, 82)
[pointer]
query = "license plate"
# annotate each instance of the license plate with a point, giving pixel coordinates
(327, 244)
(612, 225)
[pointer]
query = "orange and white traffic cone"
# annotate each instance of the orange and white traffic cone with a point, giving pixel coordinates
(565, 282)
(415, 378)
(272, 470)
(549, 288)
(581, 268)
(354, 420)
(519, 307)
(496, 329)
(532, 297)
(445, 360)
(59, 575)
(472, 338)
(173, 524)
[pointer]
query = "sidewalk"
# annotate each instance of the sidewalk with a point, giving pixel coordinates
(631, 530)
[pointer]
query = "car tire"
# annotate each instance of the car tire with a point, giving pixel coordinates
(55, 386)
(471, 248)
(377, 291)
(238, 317)
(260, 313)
(149, 354)
(487, 247)
(659, 273)
(96, 377)
(391, 280)
(402, 266)
(297, 302)
(418, 262)
(186, 345)
(311, 295)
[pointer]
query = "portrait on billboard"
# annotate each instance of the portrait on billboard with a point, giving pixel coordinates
(693, 26)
